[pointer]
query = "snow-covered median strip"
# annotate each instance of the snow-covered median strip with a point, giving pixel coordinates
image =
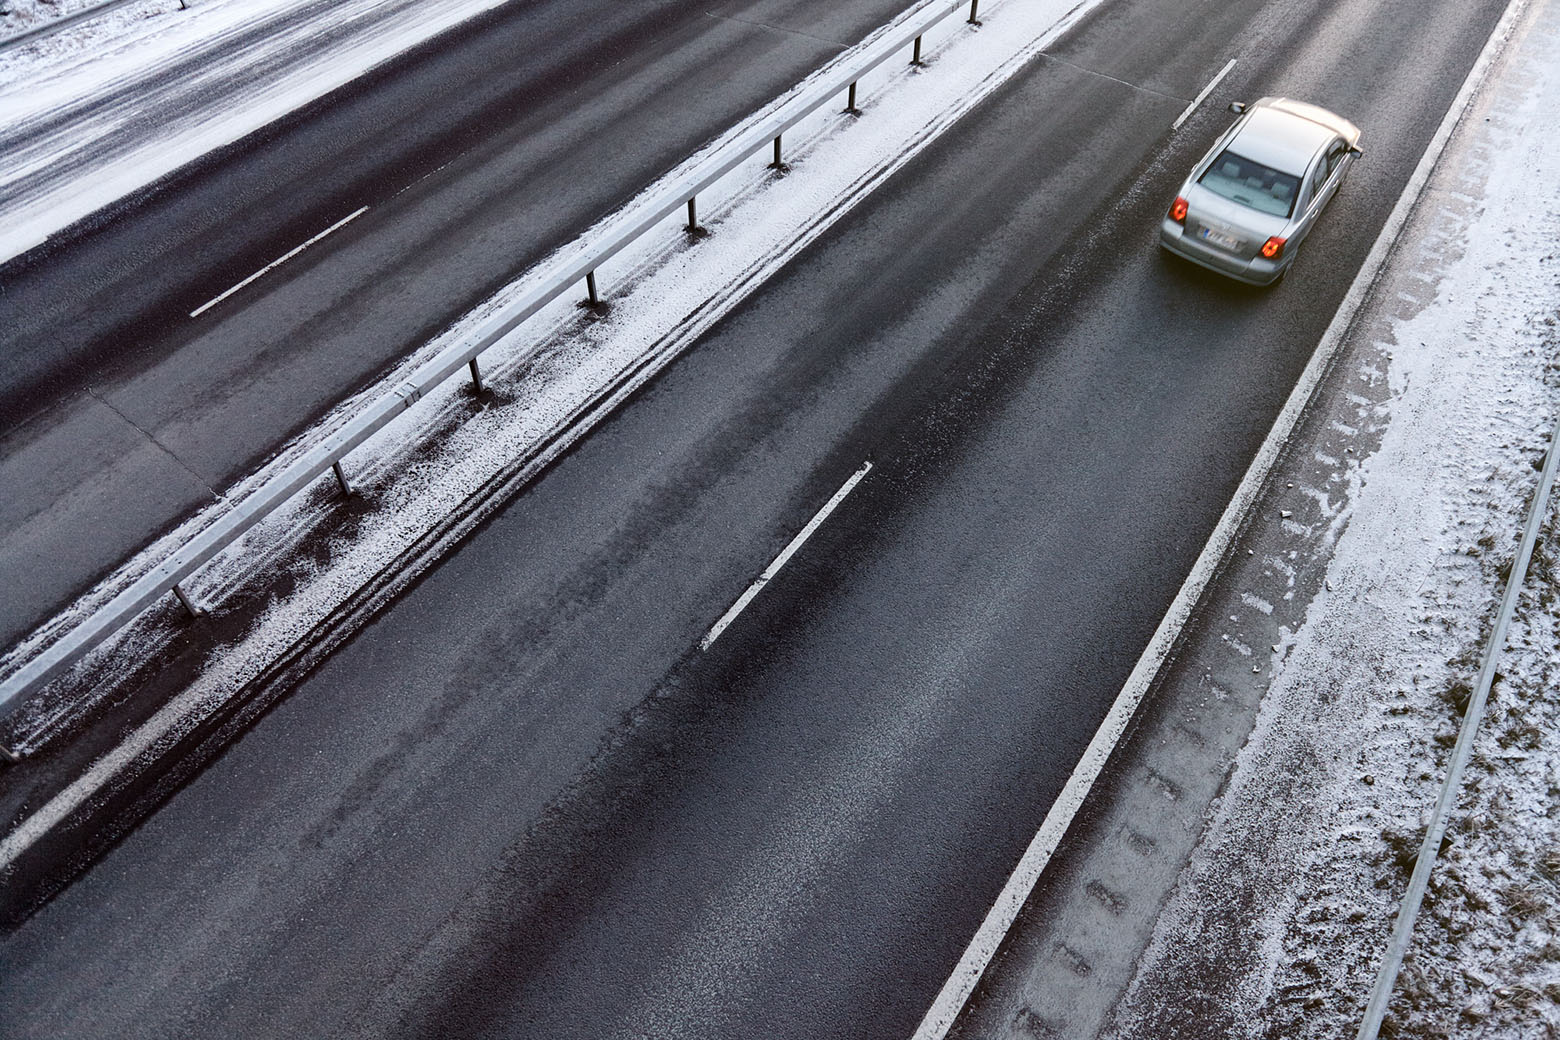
(560, 372)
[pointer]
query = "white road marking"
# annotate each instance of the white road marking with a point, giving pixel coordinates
(785, 554)
(1200, 98)
(999, 919)
(279, 261)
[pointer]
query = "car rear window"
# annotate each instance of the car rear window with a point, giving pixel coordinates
(1251, 184)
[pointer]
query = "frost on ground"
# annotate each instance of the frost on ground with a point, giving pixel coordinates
(110, 105)
(17, 15)
(37, 54)
(1328, 801)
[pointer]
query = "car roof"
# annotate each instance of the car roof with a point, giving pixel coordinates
(1316, 114)
(1277, 136)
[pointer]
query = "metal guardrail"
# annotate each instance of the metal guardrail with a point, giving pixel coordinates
(568, 271)
(64, 22)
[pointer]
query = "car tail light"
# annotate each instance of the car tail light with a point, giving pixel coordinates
(1273, 248)
(1178, 210)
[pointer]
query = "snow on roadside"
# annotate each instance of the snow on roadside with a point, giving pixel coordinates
(1365, 706)
(1480, 386)
(215, 72)
(20, 15)
(45, 55)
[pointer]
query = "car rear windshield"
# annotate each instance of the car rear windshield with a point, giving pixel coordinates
(1251, 184)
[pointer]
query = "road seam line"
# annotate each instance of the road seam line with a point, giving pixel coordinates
(777, 28)
(999, 919)
(152, 439)
(785, 554)
(279, 261)
(1113, 79)
(1200, 98)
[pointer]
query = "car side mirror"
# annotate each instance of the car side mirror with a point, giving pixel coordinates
(1237, 107)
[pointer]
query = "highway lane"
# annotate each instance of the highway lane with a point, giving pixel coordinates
(520, 803)
(476, 156)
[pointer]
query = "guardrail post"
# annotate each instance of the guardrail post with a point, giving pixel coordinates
(777, 164)
(341, 477)
(915, 57)
(693, 216)
(184, 598)
(974, 5)
(850, 102)
(590, 289)
(476, 376)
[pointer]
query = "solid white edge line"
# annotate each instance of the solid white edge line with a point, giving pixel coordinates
(785, 554)
(279, 261)
(977, 956)
(1200, 98)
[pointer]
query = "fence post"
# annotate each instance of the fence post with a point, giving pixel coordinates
(974, 5)
(850, 102)
(476, 376)
(777, 164)
(590, 289)
(915, 58)
(693, 216)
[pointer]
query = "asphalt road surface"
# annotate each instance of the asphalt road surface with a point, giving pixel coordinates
(522, 803)
(478, 154)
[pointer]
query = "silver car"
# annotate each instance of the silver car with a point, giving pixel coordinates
(1254, 197)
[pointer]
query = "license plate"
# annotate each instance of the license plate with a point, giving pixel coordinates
(1223, 241)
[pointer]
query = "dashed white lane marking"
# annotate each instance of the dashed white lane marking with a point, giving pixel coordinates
(785, 554)
(1200, 98)
(279, 261)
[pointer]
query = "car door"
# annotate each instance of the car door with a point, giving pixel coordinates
(1336, 161)
(1321, 183)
